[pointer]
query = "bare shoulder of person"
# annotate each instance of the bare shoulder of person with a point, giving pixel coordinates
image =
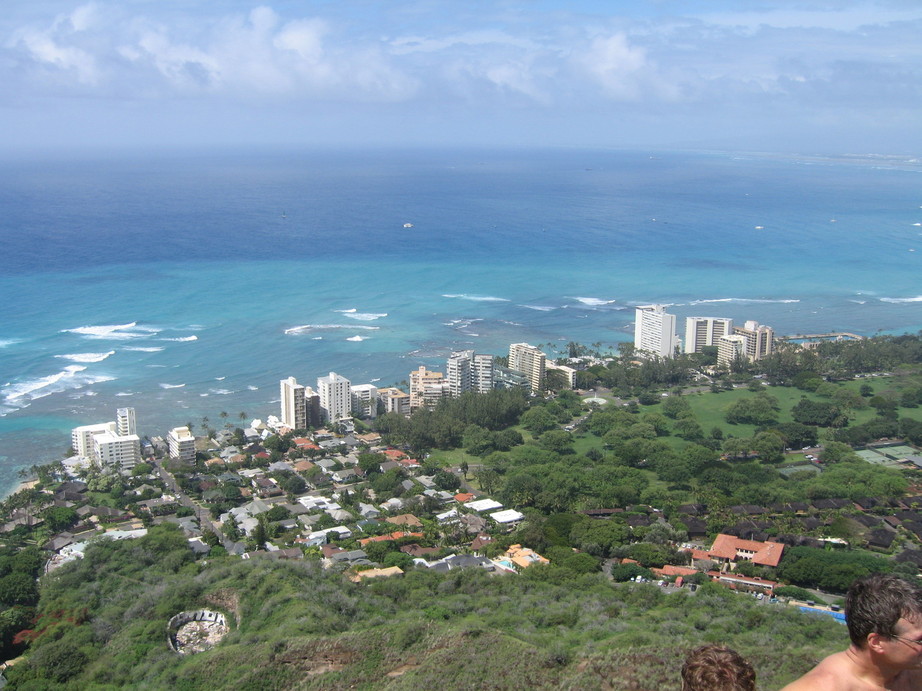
(828, 675)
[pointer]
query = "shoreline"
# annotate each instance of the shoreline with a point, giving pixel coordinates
(24, 484)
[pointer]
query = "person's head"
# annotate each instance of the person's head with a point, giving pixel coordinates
(885, 605)
(717, 668)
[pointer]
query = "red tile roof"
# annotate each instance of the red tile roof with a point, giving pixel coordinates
(763, 553)
(387, 538)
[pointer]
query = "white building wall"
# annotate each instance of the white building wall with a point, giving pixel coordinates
(181, 444)
(335, 397)
(293, 404)
(655, 331)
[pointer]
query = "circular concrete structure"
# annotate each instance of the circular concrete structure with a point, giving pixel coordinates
(196, 630)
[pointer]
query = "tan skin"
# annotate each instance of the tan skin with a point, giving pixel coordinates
(884, 663)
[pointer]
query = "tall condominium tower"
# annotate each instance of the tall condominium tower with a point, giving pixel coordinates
(654, 331)
(335, 397)
(125, 422)
(294, 408)
(468, 371)
(704, 331)
(760, 339)
(531, 362)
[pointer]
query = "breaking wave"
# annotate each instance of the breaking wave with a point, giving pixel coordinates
(70, 378)
(755, 301)
(114, 332)
(475, 298)
(309, 328)
(594, 302)
(918, 298)
(86, 357)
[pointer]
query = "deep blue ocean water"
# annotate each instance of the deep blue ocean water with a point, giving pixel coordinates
(187, 285)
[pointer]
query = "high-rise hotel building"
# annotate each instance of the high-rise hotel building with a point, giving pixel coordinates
(531, 362)
(705, 331)
(654, 331)
(469, 371)
(335, 393)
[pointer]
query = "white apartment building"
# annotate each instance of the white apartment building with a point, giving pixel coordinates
(125, 422)
(181, 444)
(365, 400)
(705, 331)
(655, 331)
(435, 392)
(110, 443)
(730, 348)
(123, 451)
(81, 438)
(335, 393)
(469, 371)
(294, 408)
(531, 362)
(419, 379)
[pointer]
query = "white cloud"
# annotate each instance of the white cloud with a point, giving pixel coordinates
(582, 61)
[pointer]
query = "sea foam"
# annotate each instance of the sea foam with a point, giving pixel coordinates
(308, 328)
(754, 301)
(171, 386)
(86, 357)
(594, 302)
(114, 332)
(71, 377)
(144, 349)
(181, 339)
(918, 298)
(366, 316)
(474, 298)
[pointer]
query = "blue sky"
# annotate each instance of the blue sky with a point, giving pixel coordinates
(830, 76)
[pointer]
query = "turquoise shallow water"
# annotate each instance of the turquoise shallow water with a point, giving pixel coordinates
(189, 285)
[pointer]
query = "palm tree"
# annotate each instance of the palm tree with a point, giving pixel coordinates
(242, 415)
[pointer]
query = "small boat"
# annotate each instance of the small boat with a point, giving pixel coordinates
(407, 225)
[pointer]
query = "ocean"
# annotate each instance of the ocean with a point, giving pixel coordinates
(187, 285)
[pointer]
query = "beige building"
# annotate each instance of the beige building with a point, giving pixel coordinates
(705, 331)
(419, 379)
(531, 362)
(760, 339)
(395, 400)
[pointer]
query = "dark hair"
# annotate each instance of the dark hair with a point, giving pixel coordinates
(717, 668)
(875, 603)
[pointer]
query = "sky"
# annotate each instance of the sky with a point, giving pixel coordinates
(817, 76)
